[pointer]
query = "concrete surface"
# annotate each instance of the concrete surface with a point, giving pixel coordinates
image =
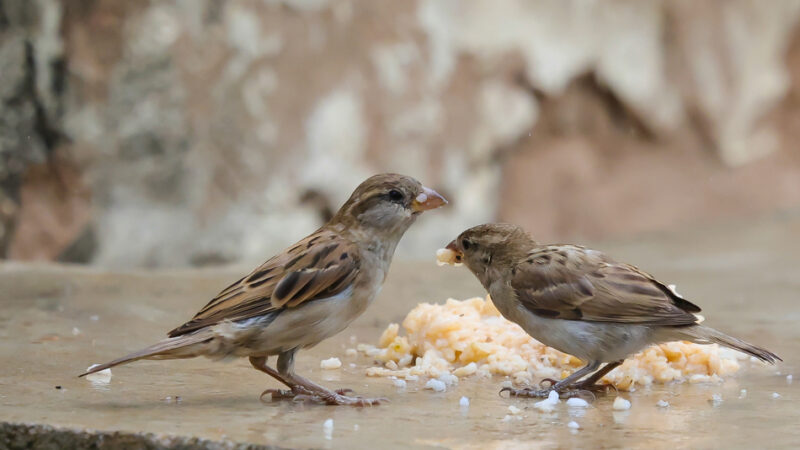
(57, 320)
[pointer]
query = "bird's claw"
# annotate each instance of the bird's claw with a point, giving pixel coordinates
(285, 394)
(338, 397)
(525, 392)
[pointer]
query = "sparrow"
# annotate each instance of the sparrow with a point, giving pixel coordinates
(305, 294)
(581, 302)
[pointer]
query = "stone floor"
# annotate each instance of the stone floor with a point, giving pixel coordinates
(57, 320)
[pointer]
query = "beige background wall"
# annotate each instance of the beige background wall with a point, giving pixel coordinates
(194, 132)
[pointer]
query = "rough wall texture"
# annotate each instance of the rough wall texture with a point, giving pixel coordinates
(163, 133)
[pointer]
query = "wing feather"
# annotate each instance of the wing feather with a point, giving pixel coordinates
(574, 283)
(320, 266)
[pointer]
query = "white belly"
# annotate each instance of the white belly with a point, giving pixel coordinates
(589, 341)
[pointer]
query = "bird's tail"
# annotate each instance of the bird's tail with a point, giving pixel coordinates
(706, 335)
(170, 348)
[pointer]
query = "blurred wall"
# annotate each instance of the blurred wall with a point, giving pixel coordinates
(177, 132)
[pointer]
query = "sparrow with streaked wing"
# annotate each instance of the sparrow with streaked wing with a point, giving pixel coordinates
(305, 294)
(580, 301)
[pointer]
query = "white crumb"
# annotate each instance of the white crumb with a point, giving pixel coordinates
(743, 393)
(399, 383)
(412, 377)
(574, 425)
(436, 385)
(552, 397)
(716, 399)
(464, 402)
(621, 404)
(514, 410)
(391, 365)
(507, 418)
(355, 427)
(94, 318)
(351, 352)
(549, 403)
(448, 378)
(327, 428)
(776, 395)
(662, 404)
(330, 364)
(789, 379)
(76, 331)
(506, 384)
(103, 376)
(576, 402)
(352, 366)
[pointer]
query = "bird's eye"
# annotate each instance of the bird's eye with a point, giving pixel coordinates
(395, 195)
(465, 244)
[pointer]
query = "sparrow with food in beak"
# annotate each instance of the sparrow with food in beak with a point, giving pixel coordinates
(305, 294)
(581, 302)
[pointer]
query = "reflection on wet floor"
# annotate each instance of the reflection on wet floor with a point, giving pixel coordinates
(118, 313)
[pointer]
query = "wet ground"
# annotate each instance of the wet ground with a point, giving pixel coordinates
(55, 321)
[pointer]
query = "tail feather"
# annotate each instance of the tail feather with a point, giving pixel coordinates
(702, 334)
(170, 348)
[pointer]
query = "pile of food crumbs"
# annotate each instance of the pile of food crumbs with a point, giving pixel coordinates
(471, 338)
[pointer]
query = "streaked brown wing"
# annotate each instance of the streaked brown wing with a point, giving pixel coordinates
(575, 283)
(320, 266)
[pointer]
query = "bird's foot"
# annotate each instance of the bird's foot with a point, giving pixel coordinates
(340, 399)
(526, 392)
(294, 392)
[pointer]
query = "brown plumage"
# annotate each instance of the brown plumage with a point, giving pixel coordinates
(580, 301)
(305, 294)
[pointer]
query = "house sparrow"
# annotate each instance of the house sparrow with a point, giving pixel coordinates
(305, 294)
(580, 301)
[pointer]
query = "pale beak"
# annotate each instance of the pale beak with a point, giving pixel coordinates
(427, 199)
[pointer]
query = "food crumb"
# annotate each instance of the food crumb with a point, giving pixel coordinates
(576, 402)
(743, 393)
(351, 352)
(662, 404)
(574, 425)
(391, 365)
(463, 402)
(330, 364)
(789, 379)
(76, 331)
(103, 376)
(507, 418)
(716, 399)
(471, 338)
(355, 427)
(327, 428)
(446, 256)
(514, 410)
(399, 383)
(621, 404)
(776, 395)
(412, 378)
(436, 385)
(549, 403)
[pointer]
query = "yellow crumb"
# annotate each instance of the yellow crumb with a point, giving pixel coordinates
(471, 338)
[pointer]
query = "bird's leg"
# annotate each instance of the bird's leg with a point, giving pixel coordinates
(260, 363)
(306, 390)
(589, 384)
(559, 386)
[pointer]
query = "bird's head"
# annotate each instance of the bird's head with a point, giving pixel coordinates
(387, 204)
(492, 245)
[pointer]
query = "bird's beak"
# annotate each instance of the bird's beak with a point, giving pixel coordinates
(459, 255)
(427, 199)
